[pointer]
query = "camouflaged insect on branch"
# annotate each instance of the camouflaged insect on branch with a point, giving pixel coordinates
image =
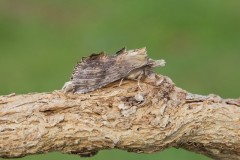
(99, 70)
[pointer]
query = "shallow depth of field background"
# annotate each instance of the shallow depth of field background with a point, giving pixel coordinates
(40, 42)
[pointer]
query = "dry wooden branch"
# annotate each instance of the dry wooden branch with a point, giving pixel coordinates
(160, 116)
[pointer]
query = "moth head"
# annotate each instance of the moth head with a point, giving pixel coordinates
(156, 63)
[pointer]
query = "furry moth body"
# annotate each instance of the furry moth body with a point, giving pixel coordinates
(99, 70)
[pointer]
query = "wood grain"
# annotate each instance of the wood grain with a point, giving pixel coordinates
(158, 117)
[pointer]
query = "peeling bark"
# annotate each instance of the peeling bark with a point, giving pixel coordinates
(124, 117)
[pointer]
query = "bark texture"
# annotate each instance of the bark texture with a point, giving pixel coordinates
(159, 116)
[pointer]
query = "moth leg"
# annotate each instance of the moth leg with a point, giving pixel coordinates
(136, 75)
(121, 82)
(138, 80)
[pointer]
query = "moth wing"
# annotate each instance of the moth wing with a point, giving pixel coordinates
(89, 73)
(94, 74)
(99, 70)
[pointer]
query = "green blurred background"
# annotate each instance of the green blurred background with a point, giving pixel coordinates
(40, 42)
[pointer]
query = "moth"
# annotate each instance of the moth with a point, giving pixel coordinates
(99, 70)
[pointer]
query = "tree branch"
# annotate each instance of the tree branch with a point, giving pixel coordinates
(160, 116)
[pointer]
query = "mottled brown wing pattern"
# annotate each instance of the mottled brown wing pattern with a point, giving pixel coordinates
(99, 70)
(90, 67)
(89, 73)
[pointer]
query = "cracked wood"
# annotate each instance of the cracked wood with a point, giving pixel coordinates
(158, 117)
